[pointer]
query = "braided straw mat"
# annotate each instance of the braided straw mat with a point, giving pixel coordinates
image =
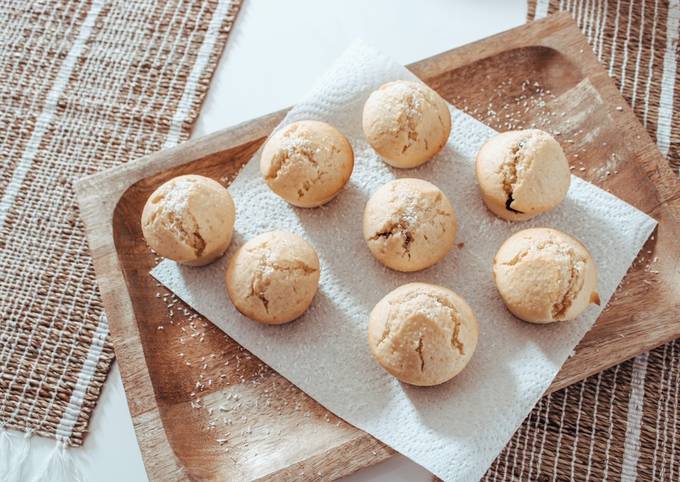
(621, 424)
(86, 85)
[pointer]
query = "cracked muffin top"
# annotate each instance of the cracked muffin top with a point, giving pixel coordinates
(522, 174)
(273, 277)
(189, 219)
(307, 163)
(422, 334)
(409, 224)
(406, 122)
(544, 275)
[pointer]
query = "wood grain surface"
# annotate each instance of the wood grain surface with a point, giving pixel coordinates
(541, 74)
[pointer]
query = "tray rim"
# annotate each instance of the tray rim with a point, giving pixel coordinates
(148, 423)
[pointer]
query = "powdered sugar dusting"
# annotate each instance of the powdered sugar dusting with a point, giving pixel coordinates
(177, 198)
(295, 144)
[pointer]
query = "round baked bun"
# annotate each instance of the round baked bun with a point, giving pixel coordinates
(273, 277)
(544, 275)
(409, 224)
(422, 334)
(522, 174)
(406, 122)
(307, 163)
(189, 219)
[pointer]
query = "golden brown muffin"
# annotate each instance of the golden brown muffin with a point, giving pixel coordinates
(522, 174)
(544, 275)
(273, 277)
(409, 224)
(422, 334)
(307, 163)
(406, 122)
(189, 219)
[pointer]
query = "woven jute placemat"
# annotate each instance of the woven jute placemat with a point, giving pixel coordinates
(86, 85)
(621, 424)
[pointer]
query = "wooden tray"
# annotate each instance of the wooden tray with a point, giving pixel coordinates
(547, 73)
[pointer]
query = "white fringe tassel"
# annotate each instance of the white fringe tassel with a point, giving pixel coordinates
(14, 449)
(13, 453)
(59, 466)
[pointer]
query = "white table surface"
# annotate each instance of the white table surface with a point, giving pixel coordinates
(275, 52)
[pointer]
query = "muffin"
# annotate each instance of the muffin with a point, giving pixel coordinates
(307, 163)
(409, 224)
(544, 275)
(273, 277)
(189, 219)
(406, 122)
(422, 334)
(522, 174)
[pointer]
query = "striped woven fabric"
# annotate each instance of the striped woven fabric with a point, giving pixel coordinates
(87, 84)
(621, 424)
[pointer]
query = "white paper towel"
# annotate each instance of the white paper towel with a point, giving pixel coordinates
(457, 429)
